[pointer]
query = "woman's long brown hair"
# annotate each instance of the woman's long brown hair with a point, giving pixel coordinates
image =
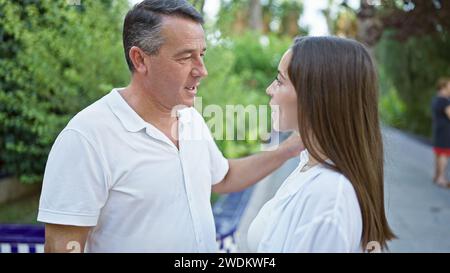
(337, 92)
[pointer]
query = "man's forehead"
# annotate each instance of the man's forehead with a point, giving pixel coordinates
(179, 29)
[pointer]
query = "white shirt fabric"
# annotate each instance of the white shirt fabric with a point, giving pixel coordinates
(110, 169)
(316, 210)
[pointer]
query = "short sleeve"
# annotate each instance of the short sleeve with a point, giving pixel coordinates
(446, 104)
(322, 235)
(219, 164)
(441, 104)
(75, 185)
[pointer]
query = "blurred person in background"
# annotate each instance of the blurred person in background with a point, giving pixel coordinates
(441, 131)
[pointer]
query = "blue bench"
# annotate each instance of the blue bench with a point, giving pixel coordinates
(16, 238)
(227, 212)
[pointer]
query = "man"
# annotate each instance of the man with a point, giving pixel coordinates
(126, 175)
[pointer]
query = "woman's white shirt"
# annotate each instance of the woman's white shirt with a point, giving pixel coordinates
(316, 210)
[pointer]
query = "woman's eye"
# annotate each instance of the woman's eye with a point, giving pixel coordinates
(277, 80)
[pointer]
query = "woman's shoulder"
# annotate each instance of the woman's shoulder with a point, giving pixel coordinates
(326, 193)
(329, 183)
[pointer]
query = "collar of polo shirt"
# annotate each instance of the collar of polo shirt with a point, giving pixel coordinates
(131, 121)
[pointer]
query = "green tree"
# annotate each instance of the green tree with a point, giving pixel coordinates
(410, 40)
(414, 52)
(413, 66)
(199, 5)
(240, 69)
(273, 16)
(55, 59)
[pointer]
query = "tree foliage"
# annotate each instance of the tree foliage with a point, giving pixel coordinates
(414, 52)
(55, 59)
(410, 40)
(277, 17)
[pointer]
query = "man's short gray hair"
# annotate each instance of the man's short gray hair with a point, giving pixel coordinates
(142, 24)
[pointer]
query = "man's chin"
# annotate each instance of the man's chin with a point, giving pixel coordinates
(189, 102)
(185, 104)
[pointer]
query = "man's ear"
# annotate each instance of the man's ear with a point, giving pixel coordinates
(137, 58)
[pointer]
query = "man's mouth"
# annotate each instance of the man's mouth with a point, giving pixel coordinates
(193, 88)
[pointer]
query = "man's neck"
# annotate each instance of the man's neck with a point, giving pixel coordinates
(152, 112)
(147, 108)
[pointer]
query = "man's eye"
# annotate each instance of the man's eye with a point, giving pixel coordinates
(185, 58)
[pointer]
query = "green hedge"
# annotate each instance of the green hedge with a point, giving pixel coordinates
(55, 59)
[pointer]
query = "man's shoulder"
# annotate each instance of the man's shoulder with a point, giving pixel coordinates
(327, 185)
(94, 117)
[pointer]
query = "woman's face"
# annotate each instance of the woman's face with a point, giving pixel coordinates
(283, 100)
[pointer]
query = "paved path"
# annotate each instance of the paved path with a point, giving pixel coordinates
(417, 210)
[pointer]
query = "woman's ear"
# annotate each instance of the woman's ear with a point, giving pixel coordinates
(137, 57)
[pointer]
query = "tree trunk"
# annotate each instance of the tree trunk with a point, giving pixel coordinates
(327, 14)
(255, 18)
(370, 26)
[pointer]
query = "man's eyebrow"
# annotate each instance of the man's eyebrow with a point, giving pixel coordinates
(187, 51)
(281, 74)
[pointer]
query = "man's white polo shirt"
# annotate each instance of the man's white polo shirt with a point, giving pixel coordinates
(110, 169)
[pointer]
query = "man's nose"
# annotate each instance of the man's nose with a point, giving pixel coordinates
(200, 70)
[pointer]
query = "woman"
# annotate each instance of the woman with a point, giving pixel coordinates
(441, 131)
(326, 90)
